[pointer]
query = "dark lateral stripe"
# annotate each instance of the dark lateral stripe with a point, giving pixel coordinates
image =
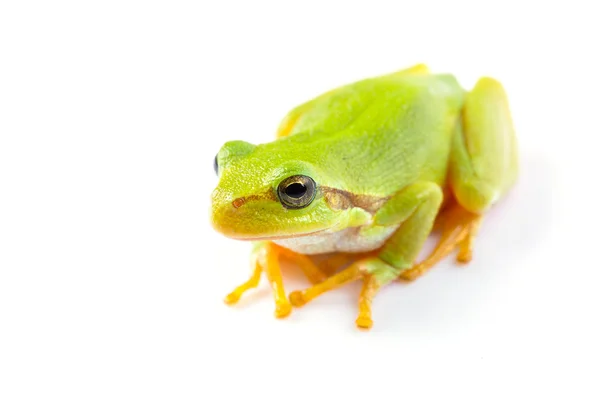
(336, 199)
(267, 195)
(342, 200)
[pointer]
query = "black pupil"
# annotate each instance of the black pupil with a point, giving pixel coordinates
(295, 190)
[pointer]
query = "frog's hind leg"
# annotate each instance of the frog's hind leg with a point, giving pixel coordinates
(417, 69)
(483, 167)
(459, 228)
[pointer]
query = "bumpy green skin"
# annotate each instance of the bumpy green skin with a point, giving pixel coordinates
(404, 137)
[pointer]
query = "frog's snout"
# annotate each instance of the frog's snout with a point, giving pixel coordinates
(244, 216)
(221, 210)
(228, 214)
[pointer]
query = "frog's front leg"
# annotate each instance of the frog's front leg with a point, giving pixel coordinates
(483, 167)
(265, 258)
(412, 211)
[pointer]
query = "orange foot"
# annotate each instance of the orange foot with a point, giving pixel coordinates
(265, 258)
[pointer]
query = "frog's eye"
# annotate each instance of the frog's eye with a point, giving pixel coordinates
(216, 165)
(297, 191)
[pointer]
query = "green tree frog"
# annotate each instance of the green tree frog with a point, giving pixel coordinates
(369, 170)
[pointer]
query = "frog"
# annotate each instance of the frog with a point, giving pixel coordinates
(369, 170)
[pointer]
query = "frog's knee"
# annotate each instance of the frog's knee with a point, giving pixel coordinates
(475, 195)
(417, 69)
(489, 85)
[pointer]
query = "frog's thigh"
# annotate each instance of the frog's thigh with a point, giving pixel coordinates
(483, 160)
(286, 126)
(414, 209)
(417, 69)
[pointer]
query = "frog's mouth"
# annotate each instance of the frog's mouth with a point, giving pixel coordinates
(281, 237)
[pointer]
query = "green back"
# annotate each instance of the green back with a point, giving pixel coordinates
(377, 135)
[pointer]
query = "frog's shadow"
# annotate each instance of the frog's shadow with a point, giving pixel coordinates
(509, 232)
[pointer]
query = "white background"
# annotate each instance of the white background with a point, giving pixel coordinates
(112, 280)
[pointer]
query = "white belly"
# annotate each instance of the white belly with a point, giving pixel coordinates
(349, 240)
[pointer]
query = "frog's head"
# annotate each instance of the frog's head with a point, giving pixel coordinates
(269, 192)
